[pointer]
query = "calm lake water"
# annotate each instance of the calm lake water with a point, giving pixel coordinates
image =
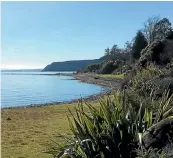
(21, 88)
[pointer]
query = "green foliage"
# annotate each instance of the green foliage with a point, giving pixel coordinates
(122, 68)
(171, 72)
(156, 28)
(166, 152)
(93, 67)
(115, 50)
(107, 51)
(113, 76)
(143, 81)
(118, 56)
(159, 35)
(115, 67)
(114, 129)
(109, 66)
(139, 44)
(158, 52)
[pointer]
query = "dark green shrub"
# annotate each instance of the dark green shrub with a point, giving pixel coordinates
(144, 81)
(158, 52)
(171, 72)
(122, 68)
(110, 66)
(165, 83)
(128, 78)
(126, 81)
(166, 152)
(93, 68)
(114, 130)
(139, 44)
(118, 56)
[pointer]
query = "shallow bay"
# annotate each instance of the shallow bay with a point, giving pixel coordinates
(22, 88)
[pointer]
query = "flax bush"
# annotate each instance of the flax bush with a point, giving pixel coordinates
(114, 130)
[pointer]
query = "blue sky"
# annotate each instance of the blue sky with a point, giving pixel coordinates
(35, 34)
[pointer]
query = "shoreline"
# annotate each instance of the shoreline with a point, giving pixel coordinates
(108, 84)
(27, 128)
(93, 97)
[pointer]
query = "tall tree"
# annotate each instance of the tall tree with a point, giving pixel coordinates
(107, 51)
(156, 28)
(115, 50)
(128, 47)
(140, 43)
(163, 28)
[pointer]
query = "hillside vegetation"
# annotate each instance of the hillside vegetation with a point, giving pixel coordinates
(70, 65)
(137, 121)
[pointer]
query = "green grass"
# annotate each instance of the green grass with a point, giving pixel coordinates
(112, 76)
(25, 135)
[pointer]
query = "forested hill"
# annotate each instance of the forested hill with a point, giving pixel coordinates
(73, 65)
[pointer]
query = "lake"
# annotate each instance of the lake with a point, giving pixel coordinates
(22, 88)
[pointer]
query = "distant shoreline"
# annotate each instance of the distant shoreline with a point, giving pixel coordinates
(90, 78)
